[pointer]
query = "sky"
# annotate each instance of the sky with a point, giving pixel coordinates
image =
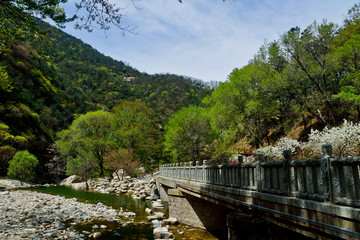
(203, 39)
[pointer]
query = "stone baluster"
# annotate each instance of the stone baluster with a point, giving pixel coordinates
(225, 171)
(286, 173)
(238, 171)
(182, 170)
(196, 171)
(204, 172)
(259, 174)
(326, 173)
(177, 170)
(213, 171)
(190, 171)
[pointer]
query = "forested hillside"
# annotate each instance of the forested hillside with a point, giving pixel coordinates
(104, 115)
(51, 78)
(307, 79)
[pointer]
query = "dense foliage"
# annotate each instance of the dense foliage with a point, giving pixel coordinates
(307, 79)
(189, 135)
(49, 80)
(22, 166)
(107, 112)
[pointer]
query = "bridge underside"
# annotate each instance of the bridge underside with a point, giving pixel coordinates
(230, 211)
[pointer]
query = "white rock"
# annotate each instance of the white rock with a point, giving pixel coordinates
(148, 210)
(96, 235)
(159, 215)
(162, 233)
(79, 186)
(157, 205)
(170, 221)
(72, 179)
(156, 223)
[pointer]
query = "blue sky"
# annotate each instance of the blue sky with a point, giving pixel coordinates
(204, 39)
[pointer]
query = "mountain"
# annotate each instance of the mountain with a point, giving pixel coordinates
(53, 77)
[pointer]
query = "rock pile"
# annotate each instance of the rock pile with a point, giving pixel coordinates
(142, 189)
(133, 187)
(160, 224)
(34, 215)
(11, 183)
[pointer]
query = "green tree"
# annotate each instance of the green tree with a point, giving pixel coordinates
(136, 129)
(5, 82)
(246, 104)
(348, 56)
(8, 146)
(88, 140)
(188, 135)
(311, 70)
(22, 166)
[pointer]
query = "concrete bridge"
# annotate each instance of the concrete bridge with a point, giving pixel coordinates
(317, 198)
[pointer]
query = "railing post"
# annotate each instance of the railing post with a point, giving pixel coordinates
(190, 171)
(238, 170)
(213, 172)
(204, 175)
(197, 167)
(224, 171)
(177, 170)
(183, 170)
(286, 172)
(259, 177)
(326, 173)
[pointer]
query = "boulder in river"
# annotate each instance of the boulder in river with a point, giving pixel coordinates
(154, 193)
(79, 186)
(72, 179)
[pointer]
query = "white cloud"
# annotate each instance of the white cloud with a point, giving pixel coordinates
(206, 39)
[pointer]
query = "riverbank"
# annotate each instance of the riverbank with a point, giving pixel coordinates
(34, 215)
(7, 184)
(39, 215)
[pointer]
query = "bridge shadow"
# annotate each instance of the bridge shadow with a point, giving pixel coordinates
(211, 215)
(240, 224)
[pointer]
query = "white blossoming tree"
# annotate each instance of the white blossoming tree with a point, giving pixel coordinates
(275, 153)
(344, 139)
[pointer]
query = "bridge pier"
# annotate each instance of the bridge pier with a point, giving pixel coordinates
(198, 212)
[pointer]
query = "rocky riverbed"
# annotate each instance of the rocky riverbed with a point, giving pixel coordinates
(34, 215)
(139, 189)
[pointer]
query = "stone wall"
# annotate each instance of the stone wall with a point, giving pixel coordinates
(198, 212)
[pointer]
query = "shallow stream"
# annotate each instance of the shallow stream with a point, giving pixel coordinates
(140, 229)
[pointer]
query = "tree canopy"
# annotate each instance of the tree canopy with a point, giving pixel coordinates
(189, 135)
(87, 141)
(22, 166)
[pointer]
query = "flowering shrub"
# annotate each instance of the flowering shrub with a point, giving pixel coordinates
(344, 140)
(276, 152)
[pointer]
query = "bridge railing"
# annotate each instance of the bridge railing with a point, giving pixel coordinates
(329, 179)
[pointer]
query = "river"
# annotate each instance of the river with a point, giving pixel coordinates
(140, 229)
